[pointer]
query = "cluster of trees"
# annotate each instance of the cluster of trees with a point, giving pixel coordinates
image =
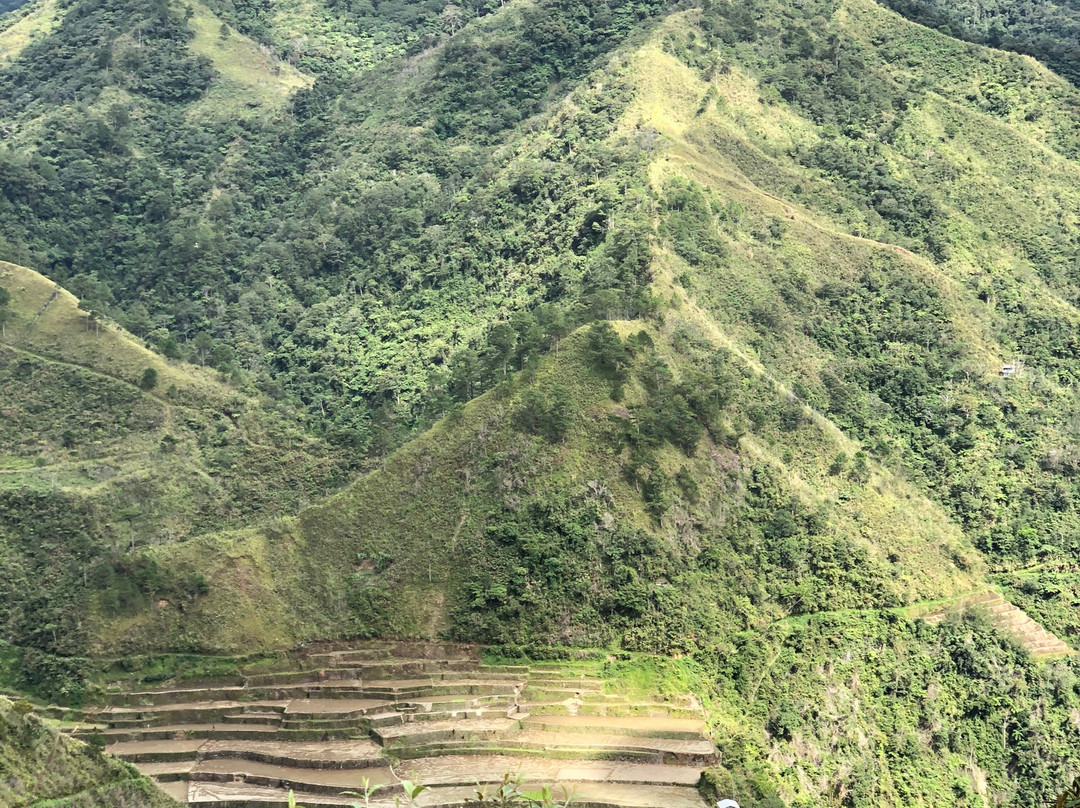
(368, 277)
(939, 700)
(558, 565)
(5, 312)
(1047, 30)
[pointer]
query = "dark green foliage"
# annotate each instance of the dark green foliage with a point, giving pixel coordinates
(148, 380)
(88, 53)
(547, 412)
(257, 281)
(535, 565)
(5, 312)
(1047, 30)
(690, 225)
(942, 699)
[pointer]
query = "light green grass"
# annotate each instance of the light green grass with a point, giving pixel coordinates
(251, 77)
(18, 29)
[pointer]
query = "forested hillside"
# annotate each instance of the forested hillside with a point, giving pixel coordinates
(107, 448)
(743, 333)
(1049, 31)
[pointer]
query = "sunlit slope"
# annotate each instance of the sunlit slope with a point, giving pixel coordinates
(481, 529)
(250, 77)
(151, 450)
(19, 28)
(889, 273)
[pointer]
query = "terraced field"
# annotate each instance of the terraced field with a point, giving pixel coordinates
(1011, 618)
(384, 712)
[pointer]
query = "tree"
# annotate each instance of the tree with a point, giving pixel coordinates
(149, 379)
(452, 17)
(547, 413)
(501, 340)
(606, 349)
(552, 321)
(204, 347)
(465, 377)
(5, 312)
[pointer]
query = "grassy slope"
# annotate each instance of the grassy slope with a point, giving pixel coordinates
(1007, 187)
(250, 77)
(293, 580)
(166, 463)
(425, 513)
(38, 766)
(20, 28)
(852, 706)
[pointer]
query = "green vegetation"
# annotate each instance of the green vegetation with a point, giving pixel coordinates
(635, 329)
(107, 448)
(357, 314)
(41, 768)
(1049, 31)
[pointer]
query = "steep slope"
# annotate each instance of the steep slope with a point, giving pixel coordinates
(809, 239)
(19, 30)
(340, 251)
(813, 264)
(39, 766)
(493, 528)
(106, 447)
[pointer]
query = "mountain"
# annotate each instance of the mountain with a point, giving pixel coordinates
(745, 333)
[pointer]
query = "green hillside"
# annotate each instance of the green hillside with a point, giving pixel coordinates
(740, 333)
(107, 448)
(40, 767)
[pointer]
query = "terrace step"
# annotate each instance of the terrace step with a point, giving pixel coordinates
(575, 707)
(350, 754)
(156, 751)
(222, 730)
(563, 745)
(324, 782)
(346, 711)
(1008, 617)
(307, 754)
(432, 731)
(468, 770)
(586, 795)
(169, 771)
(639, 726)
(251, 718)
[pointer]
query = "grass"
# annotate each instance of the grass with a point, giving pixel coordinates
(21, 28)
(139, 467)
(41, 766)
(252, 78)
(60, 332)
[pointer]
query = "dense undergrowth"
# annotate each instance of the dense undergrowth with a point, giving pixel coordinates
(42, 768)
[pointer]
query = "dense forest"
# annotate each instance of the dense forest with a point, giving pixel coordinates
(670, 328)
